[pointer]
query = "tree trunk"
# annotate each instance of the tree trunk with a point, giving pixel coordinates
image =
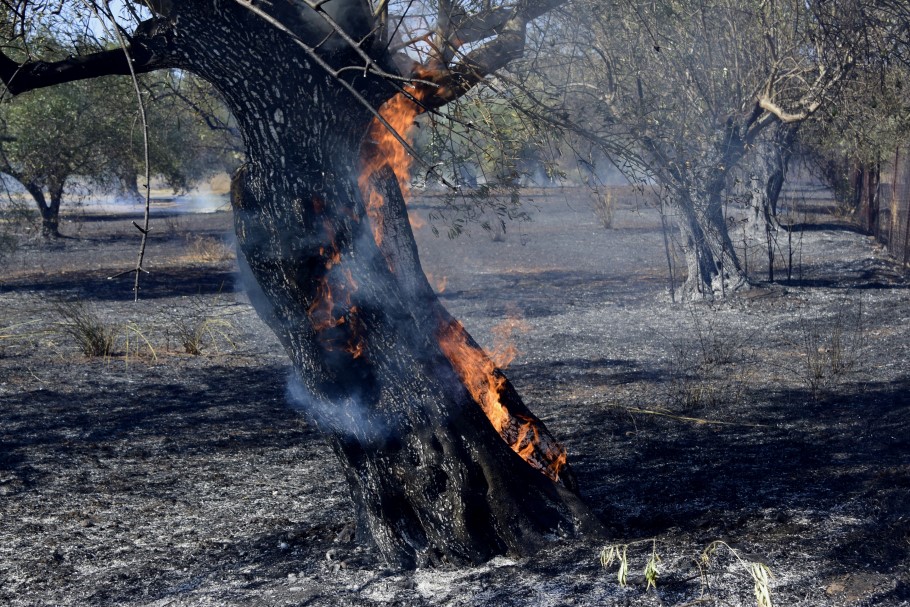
(770, 160)
(713, 268)
(870, 199)
(894, 204)
(50, 212)
(431, 479)
(696, 179)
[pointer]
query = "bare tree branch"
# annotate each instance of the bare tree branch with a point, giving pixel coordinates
(20, 78)
(507, 27)
(783, 115)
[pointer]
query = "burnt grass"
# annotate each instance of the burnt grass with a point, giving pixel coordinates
(775, 421)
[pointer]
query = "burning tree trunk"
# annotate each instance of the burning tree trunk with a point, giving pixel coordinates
(443, 460)
(429, 476)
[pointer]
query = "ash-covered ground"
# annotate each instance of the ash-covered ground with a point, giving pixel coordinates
(776, 422)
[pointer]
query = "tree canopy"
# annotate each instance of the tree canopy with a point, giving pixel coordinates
(90, 130)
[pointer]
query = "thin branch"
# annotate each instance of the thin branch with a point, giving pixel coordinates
(144, 229)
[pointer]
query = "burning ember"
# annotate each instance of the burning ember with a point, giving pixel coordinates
(481, 374)
(331, 308)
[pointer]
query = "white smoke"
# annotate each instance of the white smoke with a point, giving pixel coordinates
(346, 416)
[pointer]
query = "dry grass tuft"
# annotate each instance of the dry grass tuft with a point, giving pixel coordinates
(93, 336)
(207, 249)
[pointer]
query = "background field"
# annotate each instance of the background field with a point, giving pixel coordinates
(777, 422)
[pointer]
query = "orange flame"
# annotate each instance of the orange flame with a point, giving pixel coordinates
(479, 372)
(382, 149)
(481, 375)
(331, 307)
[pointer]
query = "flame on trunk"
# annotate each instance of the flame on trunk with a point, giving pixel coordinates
(334, 317)
(382, 149)
(479, 373)
(482, 376)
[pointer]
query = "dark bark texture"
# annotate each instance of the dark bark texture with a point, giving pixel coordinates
(48, 207)
(431, 479)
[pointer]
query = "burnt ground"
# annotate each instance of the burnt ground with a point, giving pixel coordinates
(776, 422)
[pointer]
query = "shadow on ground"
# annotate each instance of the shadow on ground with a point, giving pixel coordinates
(839, 455)
(99, 284)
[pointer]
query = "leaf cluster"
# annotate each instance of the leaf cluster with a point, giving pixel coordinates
(91, 129)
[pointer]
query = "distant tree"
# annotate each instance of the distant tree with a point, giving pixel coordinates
(853, 137)
(692, 89)
(90, 130)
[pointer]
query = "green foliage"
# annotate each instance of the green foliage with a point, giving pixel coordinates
(485, 137)
(91, 130)
(487, 145)
(619, 553)
(870, 118)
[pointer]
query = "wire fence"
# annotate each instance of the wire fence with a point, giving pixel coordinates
(893, 225)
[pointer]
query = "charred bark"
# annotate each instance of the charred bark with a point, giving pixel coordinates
(430, 478)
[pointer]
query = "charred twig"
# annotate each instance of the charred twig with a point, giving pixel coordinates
(684, 418)
(143, 118)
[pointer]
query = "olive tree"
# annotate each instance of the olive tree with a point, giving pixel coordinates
(443, 460)
(692, 92)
